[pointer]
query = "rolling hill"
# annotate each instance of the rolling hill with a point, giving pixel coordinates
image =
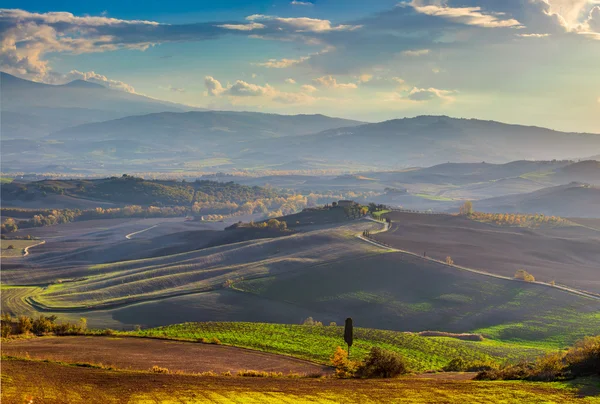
(429, 140)
(206, 128)
(573, 199)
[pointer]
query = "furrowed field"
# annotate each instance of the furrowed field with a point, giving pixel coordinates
(26, 380)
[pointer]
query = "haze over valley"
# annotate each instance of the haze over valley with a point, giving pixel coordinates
(285, 201)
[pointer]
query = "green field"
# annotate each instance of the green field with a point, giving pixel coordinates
(18, 247)
(317, 343)
(379, 213)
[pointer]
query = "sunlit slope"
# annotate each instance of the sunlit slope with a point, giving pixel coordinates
(206, 269)
(401, 292)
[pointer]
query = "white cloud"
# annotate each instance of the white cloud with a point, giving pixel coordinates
(243, 27)
(241, 89)
(173, 89)
(416, 52)
(92, 77)
(428, 94)
(466, 15)
(282, 63)
(303, 24)
(301, 3)
(381, 82)
(330, 82)
(213, 86)
(290, 81)
(307, 88)
(533, 35)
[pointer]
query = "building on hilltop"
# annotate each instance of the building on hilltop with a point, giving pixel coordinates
(344, 203)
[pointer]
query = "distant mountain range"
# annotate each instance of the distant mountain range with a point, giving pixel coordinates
(429, 140)
(32, 110)
(87, 128)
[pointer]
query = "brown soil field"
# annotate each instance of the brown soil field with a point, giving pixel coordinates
(39, 382)
(570, 255)
(144, 353)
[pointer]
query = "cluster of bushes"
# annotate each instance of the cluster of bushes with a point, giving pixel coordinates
(379, 363)
(42, 325)
(524, 276)
(9, 226)
(271, 224)
(583, 359)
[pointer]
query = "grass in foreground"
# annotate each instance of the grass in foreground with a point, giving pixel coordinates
(317, 343)
(23, 381)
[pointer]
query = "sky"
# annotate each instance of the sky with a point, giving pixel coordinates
(534, 62)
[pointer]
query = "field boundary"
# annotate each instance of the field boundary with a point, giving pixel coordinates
(387, 226)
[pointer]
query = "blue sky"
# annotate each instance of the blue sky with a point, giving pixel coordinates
(520, 61)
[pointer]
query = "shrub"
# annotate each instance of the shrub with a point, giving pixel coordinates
(311, 321)
(108, 332)
(449, 260)
(43, 325)
(255, 373)
(466, 209)
(62, 329)
(6, 329)
(158, 369)
(455, 365)
(24, 325)
(343, 367)
(524, 276)
(10, 247)
(584, 358)
(228, 373)
(382, 364)
(333, 324)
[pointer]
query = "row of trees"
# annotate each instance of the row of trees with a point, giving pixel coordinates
(516, 219)
(42, 325)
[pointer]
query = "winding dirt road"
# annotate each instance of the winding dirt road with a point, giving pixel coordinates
(386, 227)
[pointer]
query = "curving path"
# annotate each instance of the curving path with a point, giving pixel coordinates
(144, 353)
(386, 227)
(128, 236)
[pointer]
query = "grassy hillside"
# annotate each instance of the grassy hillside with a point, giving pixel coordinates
(317, 343)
